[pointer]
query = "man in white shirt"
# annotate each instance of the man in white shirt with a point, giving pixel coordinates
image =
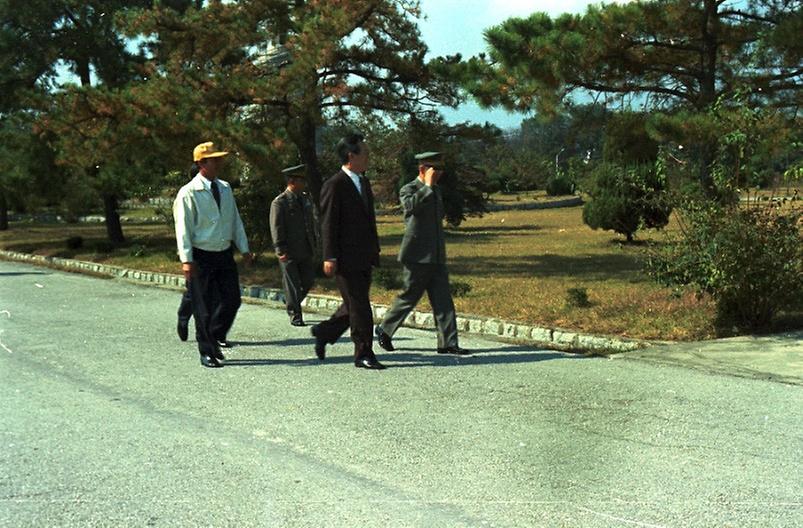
(207, 223)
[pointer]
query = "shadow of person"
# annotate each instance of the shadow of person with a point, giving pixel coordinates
(411, 357)
(501, 355)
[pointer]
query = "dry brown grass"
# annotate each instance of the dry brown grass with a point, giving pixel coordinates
(519, 264)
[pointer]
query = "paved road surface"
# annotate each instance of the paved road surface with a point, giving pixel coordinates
(109, 420)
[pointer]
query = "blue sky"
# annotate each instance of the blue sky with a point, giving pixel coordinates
(456, 26)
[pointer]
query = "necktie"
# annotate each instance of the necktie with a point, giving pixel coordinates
(216, 193)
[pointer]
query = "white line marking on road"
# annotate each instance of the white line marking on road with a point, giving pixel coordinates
(637, 523)
(4, 346)
(38, 285)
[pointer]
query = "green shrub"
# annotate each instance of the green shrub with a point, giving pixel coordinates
(388, 278)
(626, 199)
(750, 260)
(577, 298)
(138, 250)
(459, 289)
(560, 184)
(75, 242)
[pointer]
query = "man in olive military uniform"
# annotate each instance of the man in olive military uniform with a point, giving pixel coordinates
(423, 255)
(293, 229)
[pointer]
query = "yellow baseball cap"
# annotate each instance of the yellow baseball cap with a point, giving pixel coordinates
(207, 150)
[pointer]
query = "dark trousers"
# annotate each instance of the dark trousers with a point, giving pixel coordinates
(215, 291)
(354, 313)
(297, 278)
(433, 279)
(185, 307)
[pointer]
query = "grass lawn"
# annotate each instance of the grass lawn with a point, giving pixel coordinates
(519, 265)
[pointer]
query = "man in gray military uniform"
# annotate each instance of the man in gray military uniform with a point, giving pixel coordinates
(294, 233)
(423, 255)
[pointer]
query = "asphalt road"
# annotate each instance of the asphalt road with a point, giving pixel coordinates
(109, 420)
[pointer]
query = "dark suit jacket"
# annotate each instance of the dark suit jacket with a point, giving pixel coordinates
(423, 241)
(292, 226)
(348, 224)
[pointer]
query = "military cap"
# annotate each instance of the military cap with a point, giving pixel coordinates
(428, 156)
(296, 171)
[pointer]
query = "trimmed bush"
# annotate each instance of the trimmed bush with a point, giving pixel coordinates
(560, 184)
(626, 199)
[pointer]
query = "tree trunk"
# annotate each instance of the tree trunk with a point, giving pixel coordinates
(3, 212)
(304, 136)
(708, 75)
(114, 230)
(84, 72)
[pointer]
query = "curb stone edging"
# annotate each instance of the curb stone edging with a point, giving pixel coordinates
(510, 331)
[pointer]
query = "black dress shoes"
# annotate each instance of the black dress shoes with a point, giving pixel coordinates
(218, 355)
(183, 329)
(225, 344)
(297, 320)
(455, 350)
(369, 363)
(320, 343)
(210, 361)
(384, 339)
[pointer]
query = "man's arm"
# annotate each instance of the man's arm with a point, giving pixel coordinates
(330, 226)
(414, 199)
(183, 220)
(278, 230)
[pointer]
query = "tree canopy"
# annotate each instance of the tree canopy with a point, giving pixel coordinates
(670, 53)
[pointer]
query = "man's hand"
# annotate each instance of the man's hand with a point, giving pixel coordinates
(283, 257)
(329, 268)
(188, 270)
(248, 259)
(432, 175)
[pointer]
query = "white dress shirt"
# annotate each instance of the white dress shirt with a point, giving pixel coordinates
(354, 178)
(200, 223)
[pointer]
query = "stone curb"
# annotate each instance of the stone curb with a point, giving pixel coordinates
(551, 338)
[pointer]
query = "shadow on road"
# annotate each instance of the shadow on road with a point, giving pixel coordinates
(16, 273)
(408, 357)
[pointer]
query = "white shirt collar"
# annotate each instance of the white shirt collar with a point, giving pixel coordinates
(202, 182)
(355, 178)
(353, 175)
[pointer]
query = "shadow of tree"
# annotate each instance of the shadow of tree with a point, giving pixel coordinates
(17, 273)
(587, 266)
(507, 230)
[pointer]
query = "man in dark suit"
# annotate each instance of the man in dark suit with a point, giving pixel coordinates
(423, 255)
(350, 251)
(293, 230)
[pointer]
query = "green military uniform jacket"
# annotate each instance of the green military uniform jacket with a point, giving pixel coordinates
(423, 241)
(292, 226)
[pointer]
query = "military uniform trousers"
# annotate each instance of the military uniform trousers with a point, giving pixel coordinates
(433, 279)
(215, 291)
(298, 276)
